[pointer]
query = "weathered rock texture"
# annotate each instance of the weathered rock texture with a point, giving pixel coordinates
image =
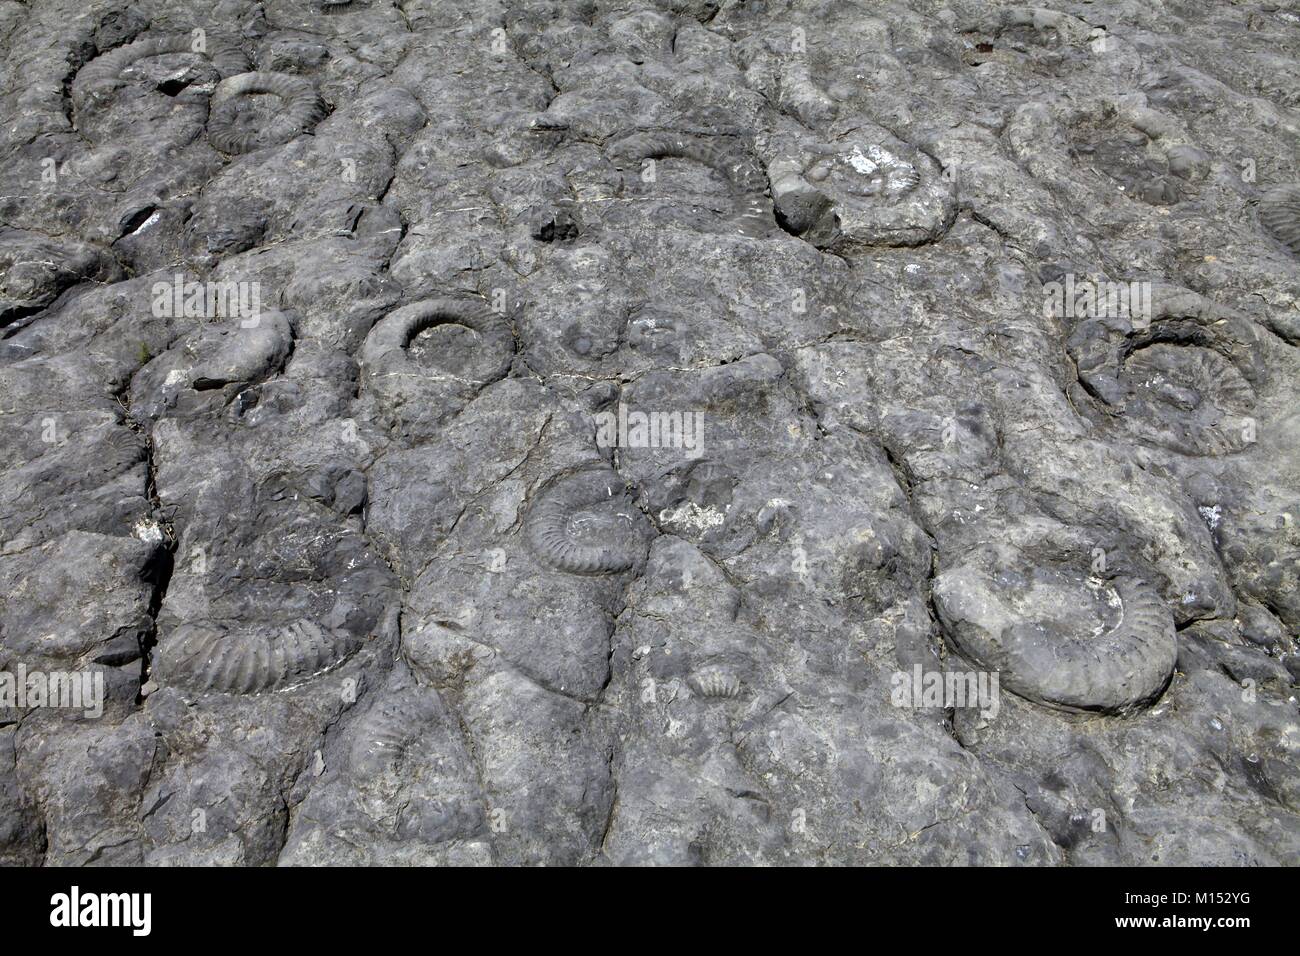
(364, 586)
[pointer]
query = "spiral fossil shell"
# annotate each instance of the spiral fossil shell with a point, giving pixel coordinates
(582, 523)
(747, 178)
(1030, 630)
(1190, 399)
(389, 728)
(886, 174)
(1185, 379)
(103, 74)
(385, 348)
(1279, 212)
(234, 129)
(395, 331)
(252, 660)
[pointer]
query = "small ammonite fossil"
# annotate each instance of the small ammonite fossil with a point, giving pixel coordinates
(389, 729)
(715, 682)
(881, 172)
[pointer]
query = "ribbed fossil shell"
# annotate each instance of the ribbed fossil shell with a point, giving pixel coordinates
(103, 75)
(1279, 212)
(234, 128)
(583, 523)
(395, 331)
(1030, 632)
(389, 728)
(231, 61)
(252, 660)
(116, 451)
(415, 387)
(1187, 398)
(385, 348)
(729, 161)
(715, 682)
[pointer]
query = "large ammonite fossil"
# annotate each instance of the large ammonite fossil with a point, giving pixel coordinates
(1182, 378)
(728, 159)
(103, 75)
(1057, 636)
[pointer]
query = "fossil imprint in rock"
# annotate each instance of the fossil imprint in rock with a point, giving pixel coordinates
(1184, 380)
(1058, 636)
(715, 683)
(239, 123)
(1279, 212)
(729, 160)
(390, 728)
(252, 659)
(863, 190)
(584, 523)
(421, 361)
(103, 76)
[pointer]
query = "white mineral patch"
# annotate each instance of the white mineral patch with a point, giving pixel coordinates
(875, 157)
(148, 531)
(693, 516)
(152, 220)
(859, 162)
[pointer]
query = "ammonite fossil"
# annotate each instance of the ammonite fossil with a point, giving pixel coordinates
(1279, 212)
(390, 727)
(1182, 377)
(584, 523)
(103, 75)
(1058, 637)
(424, 360)
(871, 189)
(238, 123)
(251, 659)
(715, 682)
(754, 214)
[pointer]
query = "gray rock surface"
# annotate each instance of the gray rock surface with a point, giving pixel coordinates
(328, 333)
